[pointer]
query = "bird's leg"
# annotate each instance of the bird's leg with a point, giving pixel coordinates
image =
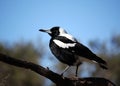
(76, 70)
(65, 70)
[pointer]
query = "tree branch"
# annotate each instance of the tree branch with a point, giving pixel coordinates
(54, 77)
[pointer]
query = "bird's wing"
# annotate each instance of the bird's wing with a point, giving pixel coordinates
(76, 48)
(83, 51)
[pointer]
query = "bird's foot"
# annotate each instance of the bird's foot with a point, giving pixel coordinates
(48, 68)
(74, 78)
(62, 75)
(75, 75)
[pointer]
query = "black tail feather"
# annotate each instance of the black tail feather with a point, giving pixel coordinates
(101, 62)
(103, 66)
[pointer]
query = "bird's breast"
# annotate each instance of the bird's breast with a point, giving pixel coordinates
(62, 54)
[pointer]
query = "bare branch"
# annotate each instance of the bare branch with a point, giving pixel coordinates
(54, 77)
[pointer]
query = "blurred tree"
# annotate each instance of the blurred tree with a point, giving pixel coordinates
(110, 51)
(116, 41)
(13, 76)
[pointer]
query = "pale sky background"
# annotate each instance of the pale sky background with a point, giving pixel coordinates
(85, 19)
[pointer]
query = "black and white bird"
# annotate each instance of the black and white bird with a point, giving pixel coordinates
(68, 50)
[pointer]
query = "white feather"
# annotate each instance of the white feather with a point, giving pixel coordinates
(62, 44)
(64, 33)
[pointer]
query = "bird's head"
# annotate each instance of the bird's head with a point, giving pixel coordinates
(54, 31)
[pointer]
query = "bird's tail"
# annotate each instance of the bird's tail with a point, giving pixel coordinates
(103, 66)
(101, 62)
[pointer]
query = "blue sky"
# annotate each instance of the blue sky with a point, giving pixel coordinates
(85, 19)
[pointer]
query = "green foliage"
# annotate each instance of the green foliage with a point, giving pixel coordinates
(111, 54)
(13, 76)
(116, 40)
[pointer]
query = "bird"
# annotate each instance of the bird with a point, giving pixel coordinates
(68, 50)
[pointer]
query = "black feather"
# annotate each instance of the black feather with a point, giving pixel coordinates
(83, 51)
(64, 39)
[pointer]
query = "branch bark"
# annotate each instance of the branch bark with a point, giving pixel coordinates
(54, 77)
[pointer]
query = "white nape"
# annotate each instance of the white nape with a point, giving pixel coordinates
(64, 34)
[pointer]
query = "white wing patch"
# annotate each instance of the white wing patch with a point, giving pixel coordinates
(62, 44)
(64, 34)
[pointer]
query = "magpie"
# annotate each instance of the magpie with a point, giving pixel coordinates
(69, 51)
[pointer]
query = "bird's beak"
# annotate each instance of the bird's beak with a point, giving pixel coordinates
(47, 31)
